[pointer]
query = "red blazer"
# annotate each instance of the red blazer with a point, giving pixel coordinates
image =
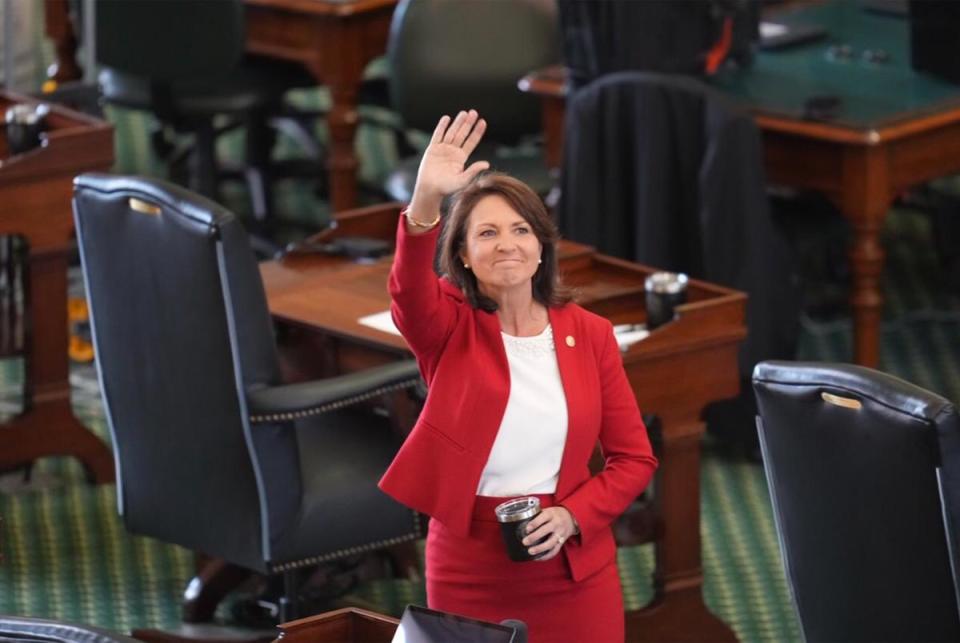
(462, 358)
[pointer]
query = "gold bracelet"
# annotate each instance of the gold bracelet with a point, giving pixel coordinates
(419, 224)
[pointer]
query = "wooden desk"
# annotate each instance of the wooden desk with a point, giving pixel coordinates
(349, 625)
(674, 373)
(334, 39)
(895, 128)
(35, 192)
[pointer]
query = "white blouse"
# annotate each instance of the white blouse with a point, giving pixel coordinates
(526, 454)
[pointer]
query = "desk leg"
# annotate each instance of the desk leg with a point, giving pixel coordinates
(552, 114)
(47, 426)
(865, 201)
(342, 122)
(677, 611)
(60, 30)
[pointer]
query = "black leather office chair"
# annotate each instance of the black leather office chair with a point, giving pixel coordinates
(183, 61)
(213, 452)
(864, 475)
(448, 55)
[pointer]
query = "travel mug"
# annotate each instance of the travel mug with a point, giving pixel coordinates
(513, 516)
(24, 123)
(664, 292)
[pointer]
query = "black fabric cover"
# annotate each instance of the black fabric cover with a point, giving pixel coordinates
(651, 35)
(663, 171)
(866, 501)
(182, 332)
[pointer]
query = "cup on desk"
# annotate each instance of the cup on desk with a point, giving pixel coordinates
(23, 124)
(664, 292)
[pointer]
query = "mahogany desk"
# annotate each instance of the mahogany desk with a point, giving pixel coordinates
(35, 194)
(895, 128)
(333, 39)
(348, 625)
(675, 373)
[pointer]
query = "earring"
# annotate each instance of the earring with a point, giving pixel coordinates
(467, 266)
(539, 260)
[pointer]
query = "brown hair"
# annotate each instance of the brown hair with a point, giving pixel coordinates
(547, 288)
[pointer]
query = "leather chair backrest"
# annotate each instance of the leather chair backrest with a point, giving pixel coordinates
(448, 55)
(862, 469)
(167, 40)
(181, 330)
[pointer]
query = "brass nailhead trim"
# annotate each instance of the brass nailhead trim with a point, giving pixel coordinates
(339, 404)
(350, 551)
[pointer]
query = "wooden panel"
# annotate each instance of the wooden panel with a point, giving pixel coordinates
(349, 625)
(802, 162)
(925, 156)
(35, 193)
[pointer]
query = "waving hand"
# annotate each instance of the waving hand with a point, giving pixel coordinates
(442, 168)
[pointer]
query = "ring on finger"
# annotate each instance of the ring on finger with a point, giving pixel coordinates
(559, 540)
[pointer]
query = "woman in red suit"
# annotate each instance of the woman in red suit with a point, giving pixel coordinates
(522, 385)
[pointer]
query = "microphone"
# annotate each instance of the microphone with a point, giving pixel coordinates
(519, 628)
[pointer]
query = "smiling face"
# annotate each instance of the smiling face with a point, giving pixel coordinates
(500, 247)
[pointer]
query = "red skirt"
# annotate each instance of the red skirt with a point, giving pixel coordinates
(473, 577)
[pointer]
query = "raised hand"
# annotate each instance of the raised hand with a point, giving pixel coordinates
(442, 170)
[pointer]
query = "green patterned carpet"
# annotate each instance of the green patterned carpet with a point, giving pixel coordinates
(67, 556)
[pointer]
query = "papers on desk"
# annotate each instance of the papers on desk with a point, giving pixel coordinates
(776, 35)
(380, 321)
(629, 334)
(772, 29)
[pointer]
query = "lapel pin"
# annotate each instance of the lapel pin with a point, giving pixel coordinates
(571, 342)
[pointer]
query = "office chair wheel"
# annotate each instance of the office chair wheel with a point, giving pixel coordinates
(255, 613)
(316, 589)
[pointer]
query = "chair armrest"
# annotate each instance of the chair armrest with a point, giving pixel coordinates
(304, 399)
